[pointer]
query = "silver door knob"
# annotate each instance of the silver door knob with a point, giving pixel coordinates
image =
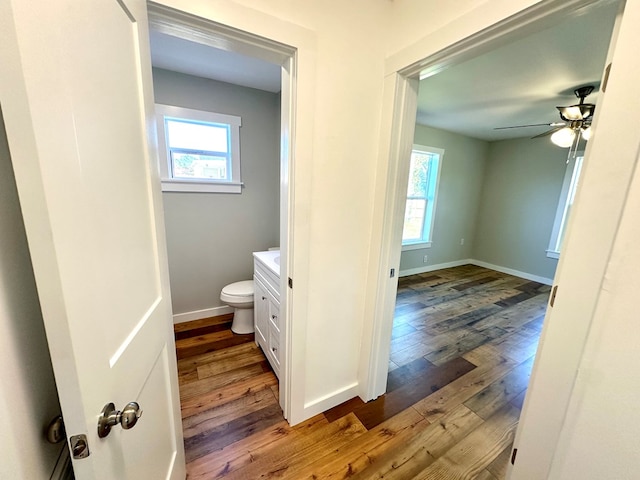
(110, 417)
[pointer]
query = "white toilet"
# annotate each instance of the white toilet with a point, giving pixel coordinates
(239, 295)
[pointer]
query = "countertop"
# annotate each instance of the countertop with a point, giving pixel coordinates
(270, 259)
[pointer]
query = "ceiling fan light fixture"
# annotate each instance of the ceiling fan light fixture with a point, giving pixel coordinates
(576, 112)
(564, 137)
(570, 113)
(587, 110)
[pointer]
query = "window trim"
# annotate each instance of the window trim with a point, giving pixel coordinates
(426, 242)
(568, 189)
(171, 184)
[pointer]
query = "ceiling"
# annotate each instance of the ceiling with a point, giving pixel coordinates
(520, 83)
(517, 84)
(184, 56)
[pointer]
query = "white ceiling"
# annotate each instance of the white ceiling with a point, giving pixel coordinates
(173, 53)
(517, 84)
(520, 83)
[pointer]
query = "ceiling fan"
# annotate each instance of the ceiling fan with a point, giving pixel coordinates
(576, 120)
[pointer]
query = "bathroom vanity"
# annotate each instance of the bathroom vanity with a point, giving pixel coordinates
(266, 279)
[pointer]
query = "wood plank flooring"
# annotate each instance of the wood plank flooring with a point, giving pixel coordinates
(462, 349)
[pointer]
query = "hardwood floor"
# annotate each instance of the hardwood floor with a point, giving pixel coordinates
(462, 349)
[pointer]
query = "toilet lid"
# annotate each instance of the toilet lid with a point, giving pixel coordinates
(239, 289)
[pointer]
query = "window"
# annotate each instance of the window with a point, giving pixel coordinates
(419, 216)
(199, 151)
(567, 195)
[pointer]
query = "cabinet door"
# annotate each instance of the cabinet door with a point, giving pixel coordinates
(274, 334)
(261, 313)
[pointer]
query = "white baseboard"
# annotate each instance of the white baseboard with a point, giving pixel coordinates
(200, 314)
(479, 263)
(431, 268)
(326, 402)
(331, 400)
(511, 271)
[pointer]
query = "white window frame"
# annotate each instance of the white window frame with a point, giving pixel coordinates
(567, 196)
(432, 200)
(171, 184)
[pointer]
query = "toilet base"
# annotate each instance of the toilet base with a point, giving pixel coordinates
(242, 321)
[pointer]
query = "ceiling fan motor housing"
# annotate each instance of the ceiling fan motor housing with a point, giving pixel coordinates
(583, 92)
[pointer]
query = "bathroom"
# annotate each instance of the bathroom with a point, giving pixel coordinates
(211, 236)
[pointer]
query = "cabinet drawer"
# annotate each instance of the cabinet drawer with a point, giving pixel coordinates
(274, 348)
(274, 313)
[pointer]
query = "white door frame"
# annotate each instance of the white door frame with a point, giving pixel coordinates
(399, 109)
(197, 29)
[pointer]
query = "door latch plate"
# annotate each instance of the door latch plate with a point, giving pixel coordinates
(79, 447)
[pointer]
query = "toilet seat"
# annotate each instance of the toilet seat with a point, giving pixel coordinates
(238, 292)
(239, 296)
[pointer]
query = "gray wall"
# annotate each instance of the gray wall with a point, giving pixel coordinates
(459, 191)
(501, 197)
(28, 395)
(520, 196)
(210, 236)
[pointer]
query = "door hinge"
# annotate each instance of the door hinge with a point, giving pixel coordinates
(607, 71)
(553, 295)
(513, 456)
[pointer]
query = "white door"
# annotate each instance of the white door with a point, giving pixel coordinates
(75, 87)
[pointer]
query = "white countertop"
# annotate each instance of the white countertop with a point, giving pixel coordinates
(270, 259)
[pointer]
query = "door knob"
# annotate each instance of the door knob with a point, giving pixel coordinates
(110, 417)
(55, 431)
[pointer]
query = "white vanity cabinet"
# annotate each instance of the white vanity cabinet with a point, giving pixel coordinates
(266, 278)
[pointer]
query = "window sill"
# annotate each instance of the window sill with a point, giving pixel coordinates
(416, 246)
(553, 254)
(200, 187)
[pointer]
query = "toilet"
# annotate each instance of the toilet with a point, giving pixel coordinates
(239, 296)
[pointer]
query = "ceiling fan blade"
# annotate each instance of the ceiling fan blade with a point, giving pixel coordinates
(550, 132)
(554, 124)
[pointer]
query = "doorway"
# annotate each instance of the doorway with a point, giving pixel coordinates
(491, 193)
(174, 24)
(406, 93)
(455, 238)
